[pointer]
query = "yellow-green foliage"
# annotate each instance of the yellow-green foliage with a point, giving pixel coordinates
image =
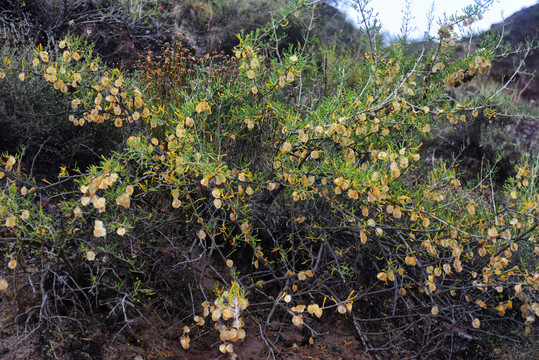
(324, 197)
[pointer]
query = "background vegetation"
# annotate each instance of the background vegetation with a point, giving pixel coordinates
(283, 183)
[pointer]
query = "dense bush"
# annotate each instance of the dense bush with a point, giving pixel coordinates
(120, 30)
(295, 178)
(34, 117)
(219, 22)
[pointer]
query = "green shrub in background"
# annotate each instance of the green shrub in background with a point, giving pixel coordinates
(219, 22)
(307, 197)
(34, 118)
(120, 30)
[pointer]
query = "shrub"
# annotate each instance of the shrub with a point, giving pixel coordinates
(34, 118)
(120, 30)
(308, 203)
(220, 22)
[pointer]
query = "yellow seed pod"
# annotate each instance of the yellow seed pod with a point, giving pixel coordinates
(44, 56)
(11, 221)
(185, 341)
(217, 203)
(410, 260)
(363, 237)
(297, 320)
(286, 147)
(99, 229)
(402, 291)
(99, 203)
(227, 313)
(447, 268)
(66, 56)
(138, 101)
(90, 255)
(232, 334)
(492, 233)
(216, 314)
(12, 264)
(290, 76)
(3, 285)
(124, 201)
(203, 106)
